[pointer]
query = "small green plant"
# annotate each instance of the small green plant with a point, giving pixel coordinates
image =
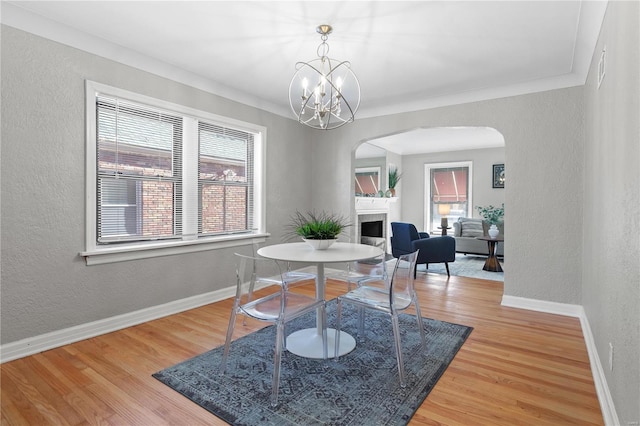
(491, 214)
(317, 226)
(394, 177)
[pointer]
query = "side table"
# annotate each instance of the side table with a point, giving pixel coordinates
(492, 263)
(444, 230)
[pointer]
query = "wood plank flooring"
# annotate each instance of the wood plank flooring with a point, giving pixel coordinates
(518, 367)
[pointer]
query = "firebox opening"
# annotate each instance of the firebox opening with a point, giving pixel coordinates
(371, 229)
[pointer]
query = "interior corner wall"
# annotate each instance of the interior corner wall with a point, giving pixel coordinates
(611, 258)
(45, 284)
(543, 135)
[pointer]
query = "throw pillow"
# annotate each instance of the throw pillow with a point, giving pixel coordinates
(472, 229)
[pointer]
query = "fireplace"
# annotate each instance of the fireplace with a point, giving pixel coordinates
(374, 218)
(371, 225)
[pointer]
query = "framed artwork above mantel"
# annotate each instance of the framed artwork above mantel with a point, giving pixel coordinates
(498, 175)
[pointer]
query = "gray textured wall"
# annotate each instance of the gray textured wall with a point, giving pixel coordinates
(611, 260)
(45, 284)
(543, 135)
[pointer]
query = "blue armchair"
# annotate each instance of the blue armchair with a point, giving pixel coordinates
(406, 239)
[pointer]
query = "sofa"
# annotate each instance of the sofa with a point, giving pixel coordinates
(465, 231)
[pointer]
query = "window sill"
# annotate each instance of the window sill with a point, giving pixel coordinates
(123, 253)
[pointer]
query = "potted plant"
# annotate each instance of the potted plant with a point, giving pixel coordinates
(493, 215)
(394, 178)
(319, 230)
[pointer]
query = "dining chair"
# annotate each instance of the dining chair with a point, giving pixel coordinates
(265, 277)
(278, 307)
(397, 295)
(361, 271)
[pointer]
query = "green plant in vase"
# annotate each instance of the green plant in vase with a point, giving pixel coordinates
(493, 216)
(314, 227)
(394, 178)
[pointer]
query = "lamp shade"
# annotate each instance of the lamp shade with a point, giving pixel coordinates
(444, 209)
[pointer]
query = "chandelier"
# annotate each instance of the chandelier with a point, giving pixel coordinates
(324, 93)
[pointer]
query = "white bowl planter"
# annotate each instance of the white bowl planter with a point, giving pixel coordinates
(320, 244)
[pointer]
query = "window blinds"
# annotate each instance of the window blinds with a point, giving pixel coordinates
(139, 169)
(225, 180)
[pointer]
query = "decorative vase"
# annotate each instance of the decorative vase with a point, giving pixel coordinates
(320, 244)
(493, 231)
(392, 191)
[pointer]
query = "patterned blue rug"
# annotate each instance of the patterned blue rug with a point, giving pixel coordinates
(362, 388)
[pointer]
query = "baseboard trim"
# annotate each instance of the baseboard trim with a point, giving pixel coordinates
(607, 406)
(43, 342)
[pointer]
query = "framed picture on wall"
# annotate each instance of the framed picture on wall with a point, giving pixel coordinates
(498, 175)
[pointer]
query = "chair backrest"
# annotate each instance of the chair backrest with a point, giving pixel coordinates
(250, 271)
(402, 236)
(402, 281)
(378, 263)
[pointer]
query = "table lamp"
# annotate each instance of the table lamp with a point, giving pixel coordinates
(444, 210)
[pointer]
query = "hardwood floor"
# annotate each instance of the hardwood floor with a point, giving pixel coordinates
(518, 367)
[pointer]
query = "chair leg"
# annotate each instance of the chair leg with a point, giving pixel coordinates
(275, 385)
(423, 337)
(396, 340)
(227, 342)
(446, 265)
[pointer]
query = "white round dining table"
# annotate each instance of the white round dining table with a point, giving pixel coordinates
(308, 342)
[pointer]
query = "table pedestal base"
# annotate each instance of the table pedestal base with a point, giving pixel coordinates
(308, 343)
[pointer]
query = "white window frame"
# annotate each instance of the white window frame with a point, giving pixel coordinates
(98, 254)
(427, 186)
(376, 169)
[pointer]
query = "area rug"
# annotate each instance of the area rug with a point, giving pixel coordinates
(466, 265)
(362, 388)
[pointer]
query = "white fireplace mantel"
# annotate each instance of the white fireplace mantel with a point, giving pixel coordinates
(374, 204)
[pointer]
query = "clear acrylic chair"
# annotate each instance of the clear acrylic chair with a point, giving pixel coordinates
(397, 295)
(278, 307)
(360, 272)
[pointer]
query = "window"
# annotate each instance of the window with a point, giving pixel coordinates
(139, 195)
(448, 192)
(161, 176)
(225, 180)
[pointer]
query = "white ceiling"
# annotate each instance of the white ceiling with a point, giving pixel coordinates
(408, 55)
(433, 139)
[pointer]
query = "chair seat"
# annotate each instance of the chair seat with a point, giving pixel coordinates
(376, 296)
(268, 308)
(352, 276)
